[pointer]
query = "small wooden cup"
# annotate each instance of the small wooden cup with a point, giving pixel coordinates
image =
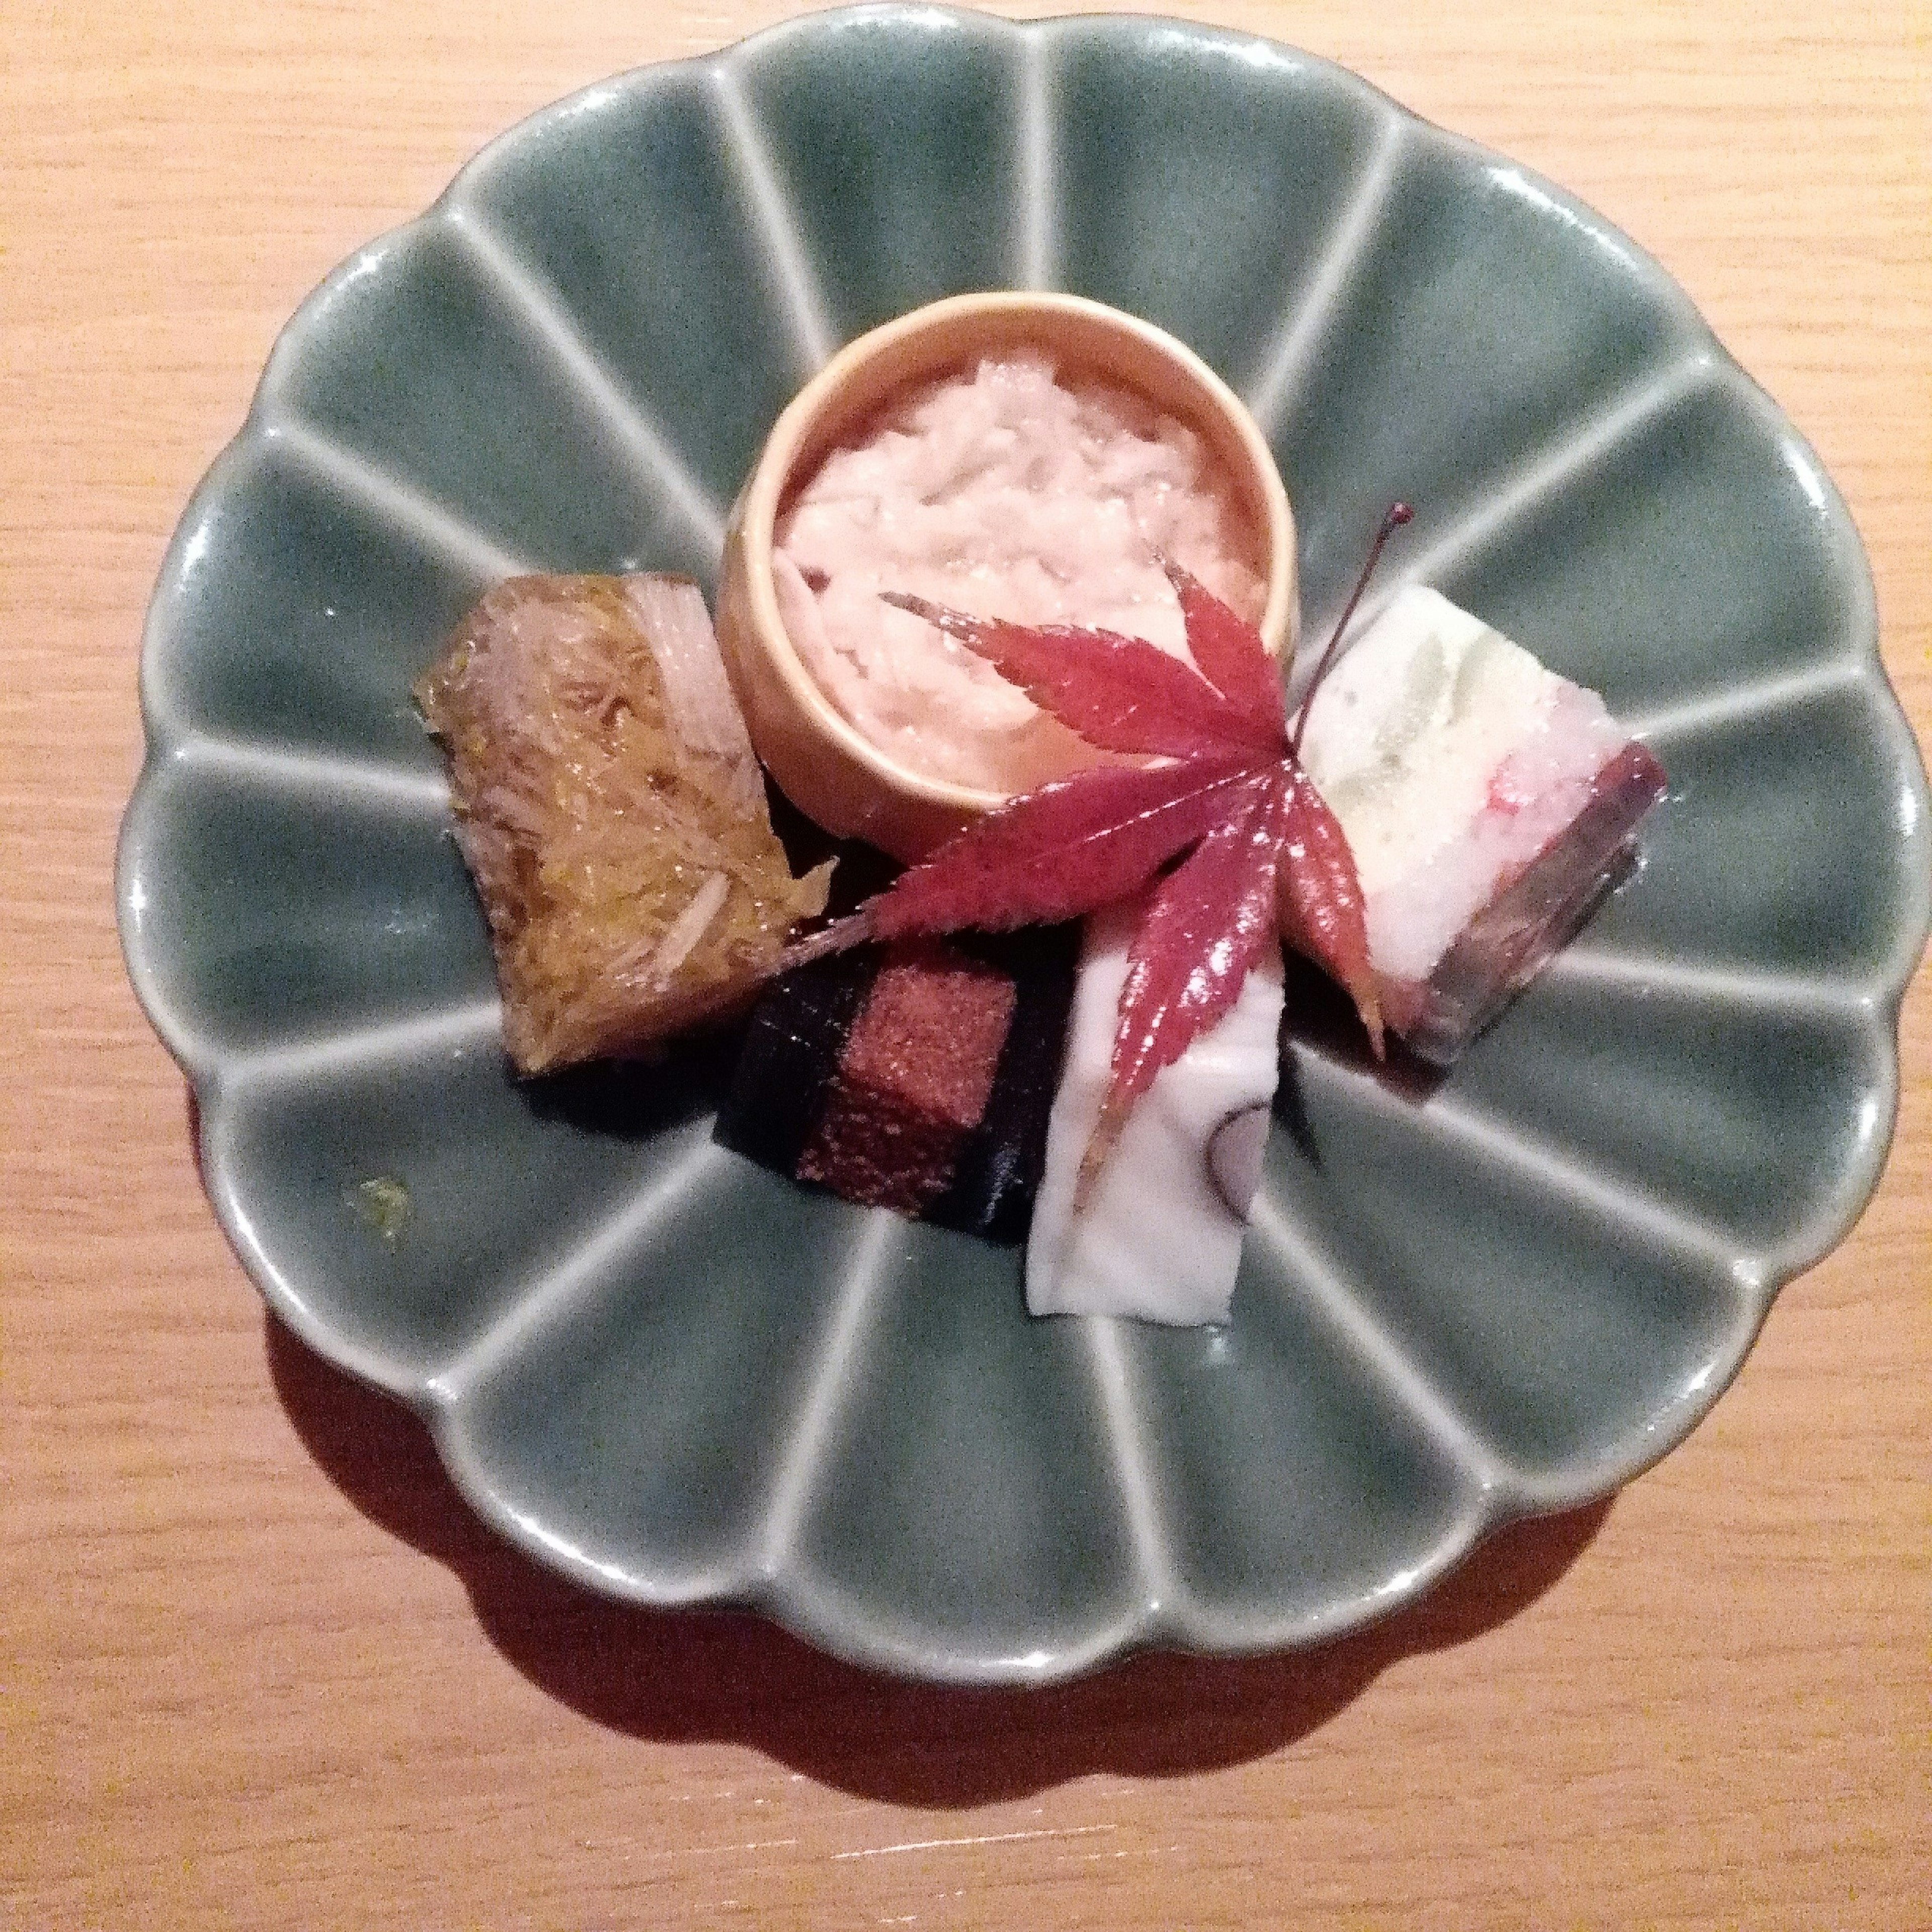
(822, 763)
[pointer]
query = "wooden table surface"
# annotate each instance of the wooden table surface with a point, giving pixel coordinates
(257, 1665)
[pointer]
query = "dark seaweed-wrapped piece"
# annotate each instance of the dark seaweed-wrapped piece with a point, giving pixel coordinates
(918, 1079)
(1000, 1164)
(792, 1044)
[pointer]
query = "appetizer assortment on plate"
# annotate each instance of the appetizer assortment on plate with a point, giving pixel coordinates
(666, 1371)
(1437, 816)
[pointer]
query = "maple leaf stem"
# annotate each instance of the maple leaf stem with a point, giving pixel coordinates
(1393, 520)
(1100, 1144)
(840, 936)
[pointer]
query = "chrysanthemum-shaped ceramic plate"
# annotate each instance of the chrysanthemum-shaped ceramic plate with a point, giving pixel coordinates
(684, 1380)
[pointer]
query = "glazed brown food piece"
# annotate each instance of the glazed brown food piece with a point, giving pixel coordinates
(612, 814)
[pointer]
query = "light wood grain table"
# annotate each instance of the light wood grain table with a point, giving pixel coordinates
(258, 1667)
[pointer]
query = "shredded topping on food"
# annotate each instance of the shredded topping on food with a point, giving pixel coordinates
(612, 813)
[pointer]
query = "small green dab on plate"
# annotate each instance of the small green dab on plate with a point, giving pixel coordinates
(382, 1203)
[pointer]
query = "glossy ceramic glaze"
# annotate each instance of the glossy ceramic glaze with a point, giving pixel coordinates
(824, 764)
(681, 1380)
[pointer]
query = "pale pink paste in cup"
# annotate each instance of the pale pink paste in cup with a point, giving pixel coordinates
(1006, 492)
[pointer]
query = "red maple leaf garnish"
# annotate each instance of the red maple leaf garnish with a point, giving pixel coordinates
(1264, 855)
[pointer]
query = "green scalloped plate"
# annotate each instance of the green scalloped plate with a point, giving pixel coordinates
(683, 1381)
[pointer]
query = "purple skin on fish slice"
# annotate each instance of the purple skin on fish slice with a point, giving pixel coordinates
(1507, 944)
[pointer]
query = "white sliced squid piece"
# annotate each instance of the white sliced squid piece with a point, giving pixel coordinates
(1160, 1236)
